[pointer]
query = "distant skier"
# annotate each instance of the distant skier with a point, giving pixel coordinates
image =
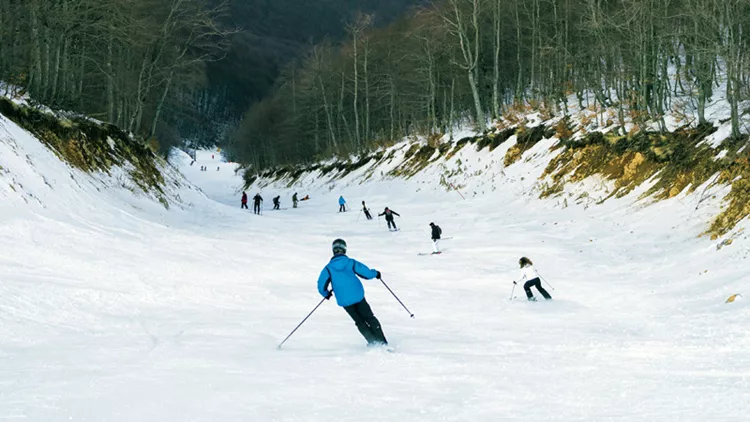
(342, 204)
(436, 232)
(217, 168)
(294, 200)
(530, 277)
(366, 211)
(389, 218)
(277, 202)
(342, 274)
(244, 200)
(257, 199)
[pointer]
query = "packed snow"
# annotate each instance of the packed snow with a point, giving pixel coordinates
(113, 308)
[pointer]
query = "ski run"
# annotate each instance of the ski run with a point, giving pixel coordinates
(115, 309)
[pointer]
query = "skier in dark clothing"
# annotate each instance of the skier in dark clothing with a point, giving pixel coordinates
(257, 199)
(366, 211)
(389, 218)
(276, 202)
(342, 274)
(244, 200)
(530, 278)
(294, 200)
(436, 232)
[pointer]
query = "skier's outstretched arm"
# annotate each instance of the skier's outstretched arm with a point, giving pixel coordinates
(323, 281)
(395, 213)
(364, 271)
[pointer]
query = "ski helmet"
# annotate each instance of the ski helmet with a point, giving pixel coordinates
(339, 247)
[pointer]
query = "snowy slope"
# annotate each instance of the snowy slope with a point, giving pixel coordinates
(115, 309)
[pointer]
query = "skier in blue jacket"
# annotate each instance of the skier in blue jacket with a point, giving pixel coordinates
(342, 274)
(342, 204)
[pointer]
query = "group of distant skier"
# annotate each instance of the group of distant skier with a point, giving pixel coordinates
(341, 276)
(258, 200)
(387, 212)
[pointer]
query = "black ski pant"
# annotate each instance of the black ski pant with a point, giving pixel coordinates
(244, 205)
(276, 206)
(367, 324)
(342, 207)
(538, 284)
(256, 207)
(391, 223)
(367, 214)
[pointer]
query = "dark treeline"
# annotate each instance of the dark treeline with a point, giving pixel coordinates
(275, 33)
(134, 63)
(474, 59)
(170, 71)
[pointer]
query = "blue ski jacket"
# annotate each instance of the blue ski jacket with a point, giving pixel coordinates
(341, 200)
(342, 274)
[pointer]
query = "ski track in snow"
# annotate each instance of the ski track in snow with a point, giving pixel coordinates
(112, 309)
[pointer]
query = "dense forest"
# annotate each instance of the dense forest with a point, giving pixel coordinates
(170, 71)
(472, 60)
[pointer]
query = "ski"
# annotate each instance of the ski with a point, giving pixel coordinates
(429, 253)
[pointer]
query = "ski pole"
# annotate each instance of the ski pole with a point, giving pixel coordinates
(459, 192)
(545, 280)
(399, 300)
(300, 324)
(512, 291)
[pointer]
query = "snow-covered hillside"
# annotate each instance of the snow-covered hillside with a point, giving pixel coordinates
(113, 308)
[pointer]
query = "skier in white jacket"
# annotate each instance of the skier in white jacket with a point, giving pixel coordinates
(529, 277)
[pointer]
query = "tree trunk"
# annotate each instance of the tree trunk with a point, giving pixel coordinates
(333, 145)
(139, 94)
(55, 72)
(110, 82)
(393, 108)
(160, 104)
(519, 61)
(496, 63)
(35, 84)
(357, 139)
(367, 91)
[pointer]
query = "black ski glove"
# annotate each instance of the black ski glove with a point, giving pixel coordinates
(515, 282)
(329, 295)
(378, 276)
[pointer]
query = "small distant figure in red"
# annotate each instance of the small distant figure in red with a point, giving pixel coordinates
(244, 200)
